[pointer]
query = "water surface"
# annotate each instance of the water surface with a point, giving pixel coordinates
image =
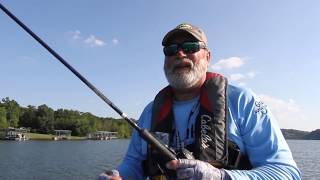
(59, 159)
(64, 160)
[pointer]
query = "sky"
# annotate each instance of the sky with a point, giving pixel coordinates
(271, 47)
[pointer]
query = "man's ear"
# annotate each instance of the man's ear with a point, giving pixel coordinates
(208, 56)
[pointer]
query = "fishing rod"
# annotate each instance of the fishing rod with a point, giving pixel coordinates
(144, 133)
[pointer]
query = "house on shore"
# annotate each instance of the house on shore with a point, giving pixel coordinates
(102, 135)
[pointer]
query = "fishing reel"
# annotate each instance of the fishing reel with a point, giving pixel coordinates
(156, 166)
(184, 154)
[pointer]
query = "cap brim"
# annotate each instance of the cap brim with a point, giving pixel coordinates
(168, 37)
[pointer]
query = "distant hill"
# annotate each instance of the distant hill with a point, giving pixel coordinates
(303, 135)
(314, 135)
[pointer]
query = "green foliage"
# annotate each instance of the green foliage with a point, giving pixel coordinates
(43, 119)
(3, 118)
(28, 117)
(13, 111)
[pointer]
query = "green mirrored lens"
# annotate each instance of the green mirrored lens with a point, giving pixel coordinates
(187, 47)
(170, 50)
(190, 47)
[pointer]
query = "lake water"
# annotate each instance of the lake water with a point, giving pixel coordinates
(307, 156)
(37, 160)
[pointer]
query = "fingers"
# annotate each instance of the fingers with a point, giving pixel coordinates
(194, 169)
(104, 176)
(184, 168)
(187, 163)
(181, 163)
(186, 173)
(112, 172)
(110, 175)
(173, 165)
(115, 178)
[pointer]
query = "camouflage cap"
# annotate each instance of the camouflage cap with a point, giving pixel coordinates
(185, 28)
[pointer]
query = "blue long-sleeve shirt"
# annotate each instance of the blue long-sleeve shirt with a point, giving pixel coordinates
(250, 125)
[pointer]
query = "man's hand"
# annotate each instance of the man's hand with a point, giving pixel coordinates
(196, 169)
(110, 175)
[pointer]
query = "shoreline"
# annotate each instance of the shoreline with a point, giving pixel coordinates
(50, 137)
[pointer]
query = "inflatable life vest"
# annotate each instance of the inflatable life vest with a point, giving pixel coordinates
(211, 143)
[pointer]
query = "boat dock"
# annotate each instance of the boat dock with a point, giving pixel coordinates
(17, 134)
(62, 135)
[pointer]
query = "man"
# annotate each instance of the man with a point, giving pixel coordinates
(201, 112)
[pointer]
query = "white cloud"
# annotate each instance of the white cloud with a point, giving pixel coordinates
(237, 77)
(91, 40)
(243, 84)
(251, 74)
(234, 63)
(115, 41)
(241, 78)
(94, 42)
(288, 113)
(229, 63)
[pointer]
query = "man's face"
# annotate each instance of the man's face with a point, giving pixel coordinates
(184, 70)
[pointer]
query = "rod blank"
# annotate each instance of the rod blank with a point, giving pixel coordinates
(74, 71)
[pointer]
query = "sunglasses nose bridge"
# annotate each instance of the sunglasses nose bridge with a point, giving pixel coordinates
(180, 51)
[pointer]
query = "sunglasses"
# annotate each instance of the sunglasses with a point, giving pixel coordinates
(187, 47)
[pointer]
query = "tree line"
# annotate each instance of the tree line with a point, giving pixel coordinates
(43, 119)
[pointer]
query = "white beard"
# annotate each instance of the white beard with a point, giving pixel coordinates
(186, 79)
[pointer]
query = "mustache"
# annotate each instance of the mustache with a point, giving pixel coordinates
(182, 62)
